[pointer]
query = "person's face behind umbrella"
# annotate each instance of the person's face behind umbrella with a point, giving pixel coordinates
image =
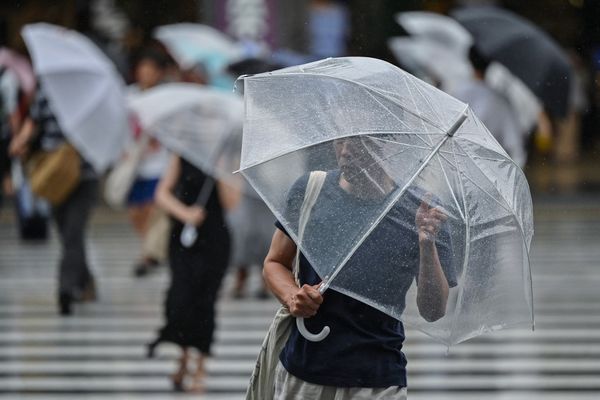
(148, 73)
(359, 164)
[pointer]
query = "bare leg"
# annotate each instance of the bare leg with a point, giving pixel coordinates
(197, 378)
(241, 277)
(179, 375)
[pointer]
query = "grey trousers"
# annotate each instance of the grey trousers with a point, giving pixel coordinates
(288, 387)
(71, 219)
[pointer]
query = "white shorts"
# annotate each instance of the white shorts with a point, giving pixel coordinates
(288, 387)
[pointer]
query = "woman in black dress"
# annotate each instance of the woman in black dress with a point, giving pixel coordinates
(196, 271)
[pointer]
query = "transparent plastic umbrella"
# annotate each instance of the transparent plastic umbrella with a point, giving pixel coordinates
(200, 124)
(84, 89)
(412, 145)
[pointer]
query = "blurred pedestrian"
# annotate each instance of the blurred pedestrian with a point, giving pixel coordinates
(251, 225)
(250, 220)
(9, 123)
(41, 133)
(328, 28)
(492, 109)
(196, 271)
(148, 221)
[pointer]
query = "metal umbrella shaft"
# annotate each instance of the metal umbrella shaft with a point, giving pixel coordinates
(328, 279)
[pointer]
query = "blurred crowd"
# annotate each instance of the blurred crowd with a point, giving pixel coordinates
(160, 188)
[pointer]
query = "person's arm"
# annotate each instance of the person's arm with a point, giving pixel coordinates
(165, 199)
(433, 288)
(20, 142)
(229, 196)
(277, 272)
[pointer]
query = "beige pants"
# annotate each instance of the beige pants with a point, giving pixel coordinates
(288, 387)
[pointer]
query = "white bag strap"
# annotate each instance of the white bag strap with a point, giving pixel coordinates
(313, 188)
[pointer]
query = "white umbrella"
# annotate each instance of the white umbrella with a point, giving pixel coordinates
(526, 105)
(433, 59)
(190, 44)
(437, 28)
(200, 124)
(84, 89)
(446, 60)
(192, 121)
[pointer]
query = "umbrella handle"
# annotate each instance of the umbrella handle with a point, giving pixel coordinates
(311, 336)
(188, 235)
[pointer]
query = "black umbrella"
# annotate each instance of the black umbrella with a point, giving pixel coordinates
(527, 51)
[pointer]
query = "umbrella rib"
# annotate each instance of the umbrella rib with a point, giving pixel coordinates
(467, 248)
(450, 188)
(412, 146)
(327, 280)
(514, 216)
(516, 220)
(509, 208)
(413, 101)
(504, 158)
(428, 102)
(394, 115)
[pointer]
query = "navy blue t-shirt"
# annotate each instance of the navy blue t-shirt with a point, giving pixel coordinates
(364, 348)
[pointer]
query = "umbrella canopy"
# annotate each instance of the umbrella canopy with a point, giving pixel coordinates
(200, 124)
(21, 68)
(437, 28)
(432, 59)
(525, 104)
(411, 144)
(527, 51)
(84, 89)
(191, 44)
(440, 46)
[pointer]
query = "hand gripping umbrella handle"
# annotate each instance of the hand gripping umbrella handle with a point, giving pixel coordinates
(188, 235)
(311, 336)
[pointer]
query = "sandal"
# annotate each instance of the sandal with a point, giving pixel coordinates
(178, 377)
(197, 379)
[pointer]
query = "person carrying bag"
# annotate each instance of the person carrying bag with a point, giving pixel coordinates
(54, 174)
(58, 173)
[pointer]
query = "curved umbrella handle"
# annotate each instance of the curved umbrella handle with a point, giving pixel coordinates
(188, 235)
(311, 336)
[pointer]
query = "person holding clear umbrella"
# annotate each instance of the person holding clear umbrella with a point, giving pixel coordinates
(365, 360)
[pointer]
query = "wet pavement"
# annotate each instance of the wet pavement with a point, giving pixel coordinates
(99, 351)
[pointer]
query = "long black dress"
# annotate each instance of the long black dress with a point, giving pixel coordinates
(197, 271)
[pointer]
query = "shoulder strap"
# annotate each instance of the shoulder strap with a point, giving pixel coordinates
(313, 188)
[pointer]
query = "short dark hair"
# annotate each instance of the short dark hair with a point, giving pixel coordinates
(153, 55)
(478, 60)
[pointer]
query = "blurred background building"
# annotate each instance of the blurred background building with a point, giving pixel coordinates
(123, 26)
